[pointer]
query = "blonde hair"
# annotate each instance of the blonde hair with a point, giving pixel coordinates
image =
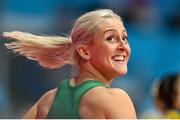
(56, 51)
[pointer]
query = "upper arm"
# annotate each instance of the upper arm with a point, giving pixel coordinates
(42, 106)
(119, 105)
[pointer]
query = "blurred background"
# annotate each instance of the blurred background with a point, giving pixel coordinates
(154, 34)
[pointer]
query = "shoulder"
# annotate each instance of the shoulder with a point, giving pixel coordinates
(106, 94)
(119, 94)
(112, 102)
(48, 97)
(121, 105)
(49, 93)
(42, 106)
(45, 103)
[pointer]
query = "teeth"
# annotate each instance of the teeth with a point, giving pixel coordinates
(119, 58)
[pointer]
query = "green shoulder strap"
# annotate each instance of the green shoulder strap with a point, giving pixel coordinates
(82, 89)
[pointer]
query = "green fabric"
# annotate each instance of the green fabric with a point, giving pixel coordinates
(67, 100)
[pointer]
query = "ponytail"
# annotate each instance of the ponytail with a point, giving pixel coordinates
(50, 52)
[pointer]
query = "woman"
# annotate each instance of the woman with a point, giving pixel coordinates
(167, 96)
(98, 48)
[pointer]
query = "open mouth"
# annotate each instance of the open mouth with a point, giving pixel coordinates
(119, 58)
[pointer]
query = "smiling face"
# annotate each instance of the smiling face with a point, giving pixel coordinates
(110, 51)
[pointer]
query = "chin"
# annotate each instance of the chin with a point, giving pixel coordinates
(122, 72)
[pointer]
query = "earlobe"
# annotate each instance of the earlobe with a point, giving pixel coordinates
(83, 52)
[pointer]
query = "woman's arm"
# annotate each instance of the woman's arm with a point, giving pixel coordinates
(105, 103)
(32, 113)
(42, 106)
(120, 105)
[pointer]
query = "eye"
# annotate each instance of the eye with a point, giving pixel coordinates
(125, 38)
(112, 39)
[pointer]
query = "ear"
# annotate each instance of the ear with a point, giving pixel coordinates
(83, 51)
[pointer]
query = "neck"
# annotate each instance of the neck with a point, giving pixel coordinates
(87, 72)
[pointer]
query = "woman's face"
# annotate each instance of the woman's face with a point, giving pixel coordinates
(110, 51)
(177, 101)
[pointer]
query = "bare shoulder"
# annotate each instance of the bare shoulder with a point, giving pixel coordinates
(110, 102)
(104, 95)
(41, 108)
(120, 105)
(91, 102)
(47, 97)
(118, 93)
(45, 103)
(46, 100)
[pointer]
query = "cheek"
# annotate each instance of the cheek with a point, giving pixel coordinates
(128, 50)
(105, 52)
(177, 103)
(101, 54)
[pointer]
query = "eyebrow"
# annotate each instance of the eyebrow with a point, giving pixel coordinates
(124, 30)
(112, 29)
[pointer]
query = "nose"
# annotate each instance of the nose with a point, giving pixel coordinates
(121, 45)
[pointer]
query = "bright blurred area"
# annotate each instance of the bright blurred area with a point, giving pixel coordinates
(154, 34)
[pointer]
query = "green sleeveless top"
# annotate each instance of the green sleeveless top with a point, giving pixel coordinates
(67, 100)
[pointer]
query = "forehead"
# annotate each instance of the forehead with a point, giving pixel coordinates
(111, 24)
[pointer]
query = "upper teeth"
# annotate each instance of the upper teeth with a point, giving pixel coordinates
(119, 57)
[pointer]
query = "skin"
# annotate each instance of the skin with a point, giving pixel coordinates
(98, 62)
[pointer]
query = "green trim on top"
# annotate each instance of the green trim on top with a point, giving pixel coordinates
(93, 84)
(67, 99)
